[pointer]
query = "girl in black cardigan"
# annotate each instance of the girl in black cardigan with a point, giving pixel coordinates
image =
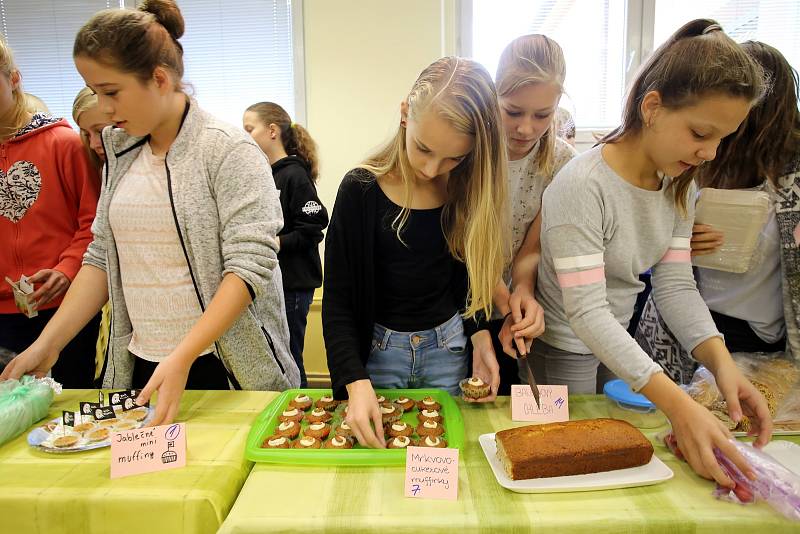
(417, 242)
(295, 167)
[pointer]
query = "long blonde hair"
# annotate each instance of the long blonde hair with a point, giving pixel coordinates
(19, 115)
(84, 101)
(534, 59)
(474, 217)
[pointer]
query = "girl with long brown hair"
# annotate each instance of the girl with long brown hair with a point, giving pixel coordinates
(623, 208)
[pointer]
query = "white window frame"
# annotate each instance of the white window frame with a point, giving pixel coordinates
(639, 25)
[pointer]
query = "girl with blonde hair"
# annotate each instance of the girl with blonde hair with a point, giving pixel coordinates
(416, 244)
(530, 82)
(46, 215)
(91, 121)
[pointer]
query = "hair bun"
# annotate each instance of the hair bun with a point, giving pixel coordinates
(167, 14)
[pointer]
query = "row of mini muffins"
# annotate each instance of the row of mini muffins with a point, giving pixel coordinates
(390, 413)
(303, 402)
(97, 431)
(340, 442)
(429, 428)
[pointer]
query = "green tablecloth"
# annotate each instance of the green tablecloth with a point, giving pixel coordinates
(341, 499)
(72, 493)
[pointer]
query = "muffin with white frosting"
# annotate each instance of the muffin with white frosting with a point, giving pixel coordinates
(307, 442)
(276, 442)
(429, 415)
(399, 442)
(474, 388)
(399, 428)
(429, 428)
(432, 441)
(317, 430)
(301, 402)
(338, 442)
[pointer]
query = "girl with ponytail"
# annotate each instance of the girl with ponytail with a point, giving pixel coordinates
(185, 239)
(623, 208)
(295, 167)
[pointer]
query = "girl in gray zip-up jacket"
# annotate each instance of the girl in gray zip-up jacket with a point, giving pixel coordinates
(185, 241)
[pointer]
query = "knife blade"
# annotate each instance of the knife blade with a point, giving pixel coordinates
(531, 379)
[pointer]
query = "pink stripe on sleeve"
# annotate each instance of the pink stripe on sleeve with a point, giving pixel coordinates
(677, 256)
(582, 278)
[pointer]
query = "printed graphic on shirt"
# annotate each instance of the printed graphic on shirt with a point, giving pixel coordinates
(19, 189)
(311, 208)
(580, 270)
(679, 251)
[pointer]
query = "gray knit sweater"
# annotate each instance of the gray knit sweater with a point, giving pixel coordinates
(228, 214)
(598, 233)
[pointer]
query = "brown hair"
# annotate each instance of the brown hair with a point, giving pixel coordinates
(527, 60)
(769, 138)
(296, 139)
(696, 61)
(20, 114)
(135, 41)
(84, 101)
(474, 218)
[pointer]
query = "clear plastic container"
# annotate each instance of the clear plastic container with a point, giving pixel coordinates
(632, 407)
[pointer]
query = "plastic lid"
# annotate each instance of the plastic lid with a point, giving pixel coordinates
(617, 390)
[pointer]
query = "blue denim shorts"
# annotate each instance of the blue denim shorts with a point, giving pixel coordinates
(435, 358)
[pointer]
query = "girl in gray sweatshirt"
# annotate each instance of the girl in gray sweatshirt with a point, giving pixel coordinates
(621, 209)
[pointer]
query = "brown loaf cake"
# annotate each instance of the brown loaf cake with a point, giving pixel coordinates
(571, 448)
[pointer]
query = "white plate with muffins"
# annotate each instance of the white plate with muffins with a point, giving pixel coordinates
(651, 473)
(87, 433)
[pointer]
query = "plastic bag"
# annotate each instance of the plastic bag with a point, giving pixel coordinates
(775, 376)
(23, 402)
(774, 483)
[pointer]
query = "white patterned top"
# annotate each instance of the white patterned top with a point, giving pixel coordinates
(159, 293)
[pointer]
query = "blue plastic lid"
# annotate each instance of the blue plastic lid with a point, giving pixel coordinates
(617, 390)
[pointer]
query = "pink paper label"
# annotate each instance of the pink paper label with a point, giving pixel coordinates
(554, 404)
(431, 473)
(148, 449)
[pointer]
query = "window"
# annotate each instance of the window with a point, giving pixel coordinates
(41, 35)
(236, 53)
(774, 22)
(604, 41)
(591, 33)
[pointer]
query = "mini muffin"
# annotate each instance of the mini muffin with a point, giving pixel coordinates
(318, 415)
(400, 442)
(344, 430)
(326, 402)
(429, 428)
(317, 430)
(108, 423)
(338, 442)
(474, 388)
(399, 428)
(84, 427)
(49, 427)
(276, 442)
(99, 434)
(428, 403)
(381, 399)
(405, 403)
(429, 415)
(288, 429)
(307, 442)
(65, 442)
(301, 402)
(432, 441)
(391, 413)
(292, 414)
(125, 425)
(137, 414)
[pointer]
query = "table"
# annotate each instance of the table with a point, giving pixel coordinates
(73, 493)
(357, 499)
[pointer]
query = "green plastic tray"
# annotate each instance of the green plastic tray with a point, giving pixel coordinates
(265, 424)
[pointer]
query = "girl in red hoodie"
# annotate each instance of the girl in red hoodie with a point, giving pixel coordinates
(48, 197)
